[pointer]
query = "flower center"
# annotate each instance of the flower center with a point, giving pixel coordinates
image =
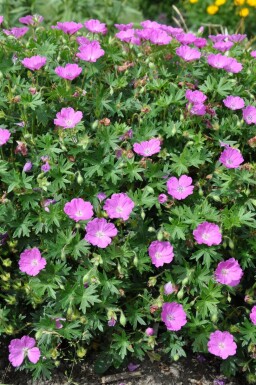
(229, 161)
(180, 189)
(68, 122)
(158, 255)
(147, 151)
(170, 317)
(224, 271)
(34, 262)
(119, 209)
(100, 234)
(79, 213)
(221, 345)
(205, 236)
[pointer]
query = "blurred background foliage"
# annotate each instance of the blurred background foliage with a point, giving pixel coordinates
(215, 15)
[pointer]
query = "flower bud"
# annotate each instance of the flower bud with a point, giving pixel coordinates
(180, 294)
(81, 352)
(79, 178)
(149, 331)
(122, 319)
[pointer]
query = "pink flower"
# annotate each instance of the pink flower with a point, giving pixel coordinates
(253, 315)
(4, 136)
(223, 46)
(95, 26)
(147, 148)
(69, 27)
(69, 72)
(119, 206)
(169, 288)
(123, 27)
(233, 66)
(27, 166)
(90, 52)
(150, 24)
(31, 261)
(58, 324)
(78, 209)
(200, 42)
(1, 19)
(31, 20)
(45, 167)
(186, 38)
(68, 118)
(222, 344)
(34, 62)
(111, 322)
(149, 332)
(231, 157)
(253, 54)
(20, 348)
(162, 198)
(101, 196)
(228, 272)
(180, 188)
(216, 38)
(234, 102)
(173, 315)
(237, 38)
(160, 253)
(187, 53)
(126, 35)
(218, 60)
(198, 110)
(159, 37)
(195, 97)
(82, 40)
(16, 32)
(249, 114)
(99, 232)
(207, 233)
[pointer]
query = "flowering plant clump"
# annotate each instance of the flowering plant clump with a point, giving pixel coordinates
(127, 204)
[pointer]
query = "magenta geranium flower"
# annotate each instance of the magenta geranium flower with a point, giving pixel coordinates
(222, 344)
(169, 288)
(249, 114)
(95, 26)
(231, 157)
(20, 348)
(228, 272)
(78, 209)
(160, 253)
(253, 54)
(90, 52)
(218, 60)
(208, 234)
(34, 62)
(197, 109)
(223, 46)
(68, 118)
(236, 38)
(31, 261)
(128, 36)
(69, 27)
(195, 97)
(31, 19)
(119, 206)
(162, 198)
(186, 38)
(123, 27)
(150, 24)
(99, 232)
(233, 66)
(187, 53)
(148, 147)
(69, 72)
(4, 136)
(234, 102)
(16, 32)
(159, 37)
(1, 19)
(253, 315)
(173, 315)
(180, 188)
(216, 38)
(200, 42)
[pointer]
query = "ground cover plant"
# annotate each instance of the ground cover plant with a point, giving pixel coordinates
(128, 201)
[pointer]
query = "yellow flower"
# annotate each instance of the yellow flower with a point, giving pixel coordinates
(212, 9)
(220, 2)
(193, 1)
(244, 12)
(239, 2)
(252, 3)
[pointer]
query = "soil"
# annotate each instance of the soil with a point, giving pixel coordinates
(194, 370)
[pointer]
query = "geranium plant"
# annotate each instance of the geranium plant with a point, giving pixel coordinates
(127, 195)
